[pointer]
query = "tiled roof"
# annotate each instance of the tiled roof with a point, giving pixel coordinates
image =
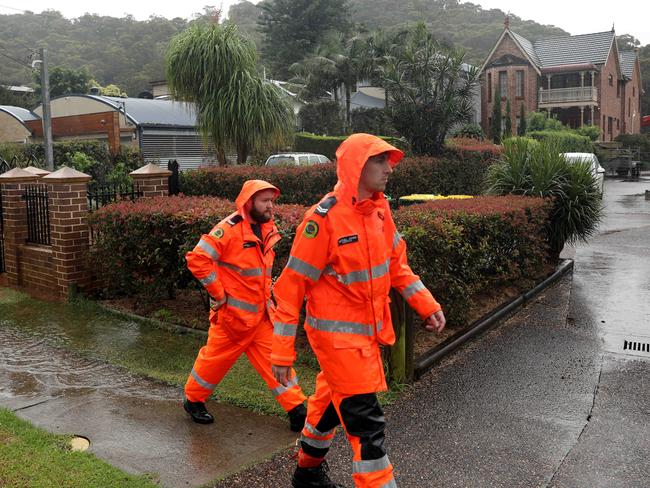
(585, 48)
(628, 59)
(527, 46)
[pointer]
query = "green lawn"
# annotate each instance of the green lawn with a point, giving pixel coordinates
(31, 457)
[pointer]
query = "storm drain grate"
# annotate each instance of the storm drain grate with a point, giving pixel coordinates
(636, 346)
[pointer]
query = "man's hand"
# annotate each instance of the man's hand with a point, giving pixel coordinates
(281, 374)
(435, 322)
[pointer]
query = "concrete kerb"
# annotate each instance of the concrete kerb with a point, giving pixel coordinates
(427, 360)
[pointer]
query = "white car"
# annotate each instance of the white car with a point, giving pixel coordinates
(597, 170)
(296, 159)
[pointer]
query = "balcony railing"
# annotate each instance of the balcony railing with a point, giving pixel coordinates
(568, 95)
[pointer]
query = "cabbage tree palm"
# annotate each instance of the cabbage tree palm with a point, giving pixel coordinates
(214, 67)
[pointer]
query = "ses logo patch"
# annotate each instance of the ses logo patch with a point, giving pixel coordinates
(311, 230)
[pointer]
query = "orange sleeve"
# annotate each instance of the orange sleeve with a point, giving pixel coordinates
(202, 263)
(406, 282)
(308, 258)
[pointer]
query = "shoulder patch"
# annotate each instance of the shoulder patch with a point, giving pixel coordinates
(235, 220)
(325, 206)
(311, 229)
(218, 233)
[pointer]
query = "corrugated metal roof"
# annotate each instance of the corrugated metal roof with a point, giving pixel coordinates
(362, 100)
(527, 46)
(148, 112)
(22, 114)
(628, 59)
(585, 48)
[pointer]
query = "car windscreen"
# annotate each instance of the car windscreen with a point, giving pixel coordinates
(279, 160)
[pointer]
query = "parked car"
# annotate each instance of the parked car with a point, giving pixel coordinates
(597, 170)
(295, 159)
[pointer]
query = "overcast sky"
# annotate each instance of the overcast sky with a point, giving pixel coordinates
(574, 16)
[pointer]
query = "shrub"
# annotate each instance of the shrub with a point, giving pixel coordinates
(469, 131)
(371, 121)
(464, 146)
(564, 140)
(322, 118)
(540, 121)
(540, 170)
(327, 145)
(590, 131)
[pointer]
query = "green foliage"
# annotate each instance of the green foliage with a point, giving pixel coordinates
(24, 100)
(538, 121)
(469, 131)
(640, 141)
(327, 145)
(371, 121)
(564, 140)
(110, 90)
(507, 133)
(293, 28)
(214, 67)
(429, 89)
(590, 131)
(64, 81)
(495, 128)
(540, 170)
(322, 118)
(523, 128)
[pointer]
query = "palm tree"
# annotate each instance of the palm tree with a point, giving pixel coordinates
(215, 67)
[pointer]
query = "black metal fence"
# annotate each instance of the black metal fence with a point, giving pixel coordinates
(38, 214)
(106, 194)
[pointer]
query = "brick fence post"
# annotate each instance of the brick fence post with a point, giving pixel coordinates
(69, 232)
(152, 180)
(14, 214)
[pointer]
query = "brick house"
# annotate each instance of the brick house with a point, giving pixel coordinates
(580, 80)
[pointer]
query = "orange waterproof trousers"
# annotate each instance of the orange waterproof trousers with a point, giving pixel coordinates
(220, 353)
(363, 421)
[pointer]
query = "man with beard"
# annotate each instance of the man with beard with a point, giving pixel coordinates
(234, 262)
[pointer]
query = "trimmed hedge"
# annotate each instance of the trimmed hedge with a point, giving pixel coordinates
(458, 247)
(306, 185)
(327, 145)
(566, 141)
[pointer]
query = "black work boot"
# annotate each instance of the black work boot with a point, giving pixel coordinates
(198, 412)
(313, 477)
(297, 416)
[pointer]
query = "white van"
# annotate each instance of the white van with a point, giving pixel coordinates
(296, 159)
(597, 170)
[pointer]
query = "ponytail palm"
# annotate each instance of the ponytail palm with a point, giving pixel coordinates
(214, 67)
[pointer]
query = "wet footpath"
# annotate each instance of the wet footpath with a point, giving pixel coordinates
(554, 397)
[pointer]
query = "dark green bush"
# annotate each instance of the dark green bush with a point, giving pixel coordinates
(469, 131)
(371, 121)
(564, 140)
(322, 118)
(327, 145)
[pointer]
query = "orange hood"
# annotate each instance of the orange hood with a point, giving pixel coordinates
(352, 155)
(250, 188)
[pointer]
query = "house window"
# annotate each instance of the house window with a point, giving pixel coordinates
(634, 91)
(610, 125)
(520, 84)
(611, 80)
(503, 83)
(489, 86)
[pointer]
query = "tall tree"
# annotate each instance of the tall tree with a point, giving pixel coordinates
(214, 67)
(431, 91)
(293, 28)
(507, 133)
(64, 81)
(521, 130)
(495, 128)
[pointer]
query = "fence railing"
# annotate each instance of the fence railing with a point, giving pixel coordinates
(38, 214)
(562, 95)
(106, 194)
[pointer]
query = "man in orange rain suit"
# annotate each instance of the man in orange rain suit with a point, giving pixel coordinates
(346, 256)
(233, 262)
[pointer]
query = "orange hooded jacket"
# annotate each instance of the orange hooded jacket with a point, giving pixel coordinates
(234, 266)
(346, 256)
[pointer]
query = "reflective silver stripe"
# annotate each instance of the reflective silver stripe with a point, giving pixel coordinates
(249, 307)
(205, 245)
(312, 430)
(381, 269)
(269, 271)
(201, 381)
(412, 289)
(380, 324)
(208, 280)
(396, 237)
(318, 444)
(279, 390)
(370, 465)
(243, 271)
(303, 268)
(340, 326)
(349, 278)
(287, 330)
(390, 484)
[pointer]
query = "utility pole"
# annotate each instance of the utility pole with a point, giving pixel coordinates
(47, 115)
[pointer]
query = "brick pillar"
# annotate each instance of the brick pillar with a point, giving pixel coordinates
(40, 172)
(152, 180)
(14, 214)
(69, 230)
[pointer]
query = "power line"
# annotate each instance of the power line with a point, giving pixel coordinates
(12, 8)
(16, 60)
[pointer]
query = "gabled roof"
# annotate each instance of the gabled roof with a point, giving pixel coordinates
(584, 48)
(628, 60)
(527, 46)
(21, 114)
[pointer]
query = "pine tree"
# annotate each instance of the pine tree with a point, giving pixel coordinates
(495, 129)
(522, 122)
(507, 133)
